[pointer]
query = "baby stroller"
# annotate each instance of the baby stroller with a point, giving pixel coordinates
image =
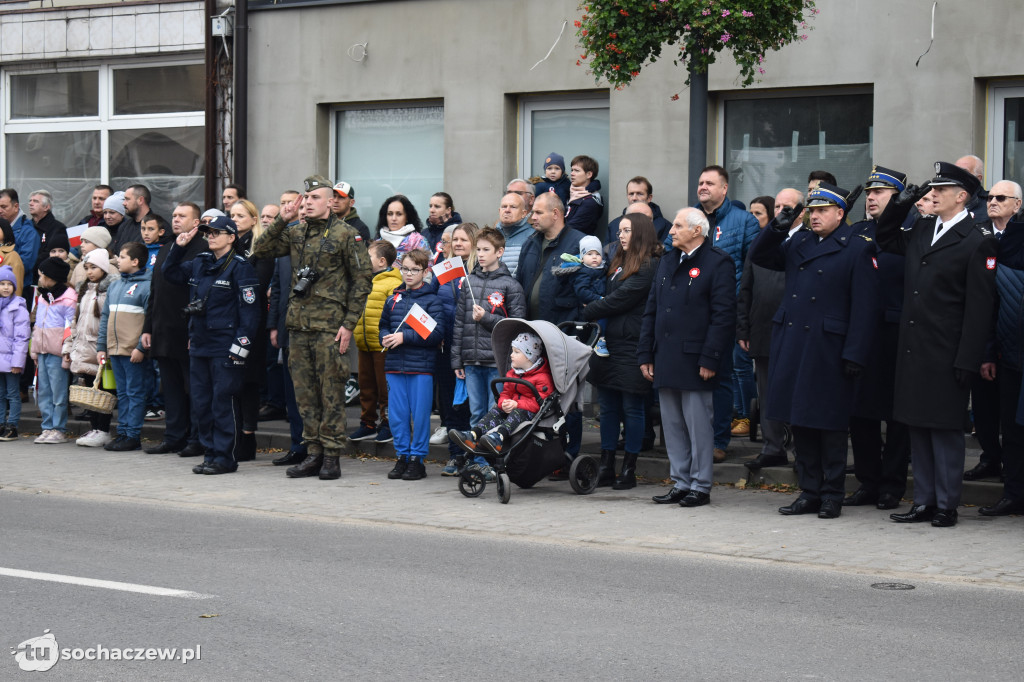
(537, 447)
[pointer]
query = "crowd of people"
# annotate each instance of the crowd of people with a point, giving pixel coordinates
(791, 316)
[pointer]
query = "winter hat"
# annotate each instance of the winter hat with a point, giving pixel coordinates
(212, 213)
(588, 244)
(100, 258)
(58, 240)
(56, 269)
(115, 202)
(100, 236)
(7, 275)
(554, 159)
(529, 345)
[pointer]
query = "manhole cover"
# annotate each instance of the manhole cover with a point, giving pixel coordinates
(892, 586)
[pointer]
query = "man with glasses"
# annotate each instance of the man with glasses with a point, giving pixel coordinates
(949, 295)
(330, 281)
(524, 189)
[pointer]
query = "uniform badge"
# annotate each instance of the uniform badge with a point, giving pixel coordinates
(694, 272)
(990, 263)
(874, 261)
(248, 295)
(243, 340)
(132, 288)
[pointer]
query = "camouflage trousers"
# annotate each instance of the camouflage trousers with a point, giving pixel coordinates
(319, 373)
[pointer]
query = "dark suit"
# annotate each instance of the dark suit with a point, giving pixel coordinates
(828, 318)
(949, 299)
(689, 322)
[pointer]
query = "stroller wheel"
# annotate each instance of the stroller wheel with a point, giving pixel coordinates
(504, 488)
(472, 483)
(583, 475)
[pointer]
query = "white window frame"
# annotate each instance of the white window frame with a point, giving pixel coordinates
(528, 104)
(104, 122)
(997, 95)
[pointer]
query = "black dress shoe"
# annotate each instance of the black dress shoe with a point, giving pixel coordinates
(860, 497)
(270, 413)
(673, 496)
(215, 468)
(1003, 507)
(762, 461)
(199, 468)
(918, 513)
(887, 501)
(695, 499)
(982, 470)
(944, 518)
(192, 450)
(830, 509)
(165, 447)
(124, 444)
(802, 505)
(289, 458)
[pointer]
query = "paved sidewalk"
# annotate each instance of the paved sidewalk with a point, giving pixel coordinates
(738, 525)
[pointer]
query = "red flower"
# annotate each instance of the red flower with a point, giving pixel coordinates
(577, 23)
(578, 62)
(613, 35)
(634, 74)
(616, 67)
(623, 12)
(674, 97)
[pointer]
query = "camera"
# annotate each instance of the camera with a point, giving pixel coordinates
(195, 307)
(306, 278)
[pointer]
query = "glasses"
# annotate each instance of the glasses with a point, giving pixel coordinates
(410, 271)
(625, 230)
(1000, 198)
(215, 233)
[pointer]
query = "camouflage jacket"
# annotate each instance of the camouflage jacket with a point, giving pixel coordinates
(334, 251)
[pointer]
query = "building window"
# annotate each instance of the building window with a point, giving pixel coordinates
(119, 125)
(1006, 144)
(383, 151)
(770, 143)
(569, 126)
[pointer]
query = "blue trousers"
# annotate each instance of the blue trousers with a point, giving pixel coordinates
(722, 401)
(53, 392)
(410, 397)
(744, 386)
(214, 382)
(478, 386)
(131, 395)
(10, 398)
(627, 408)
(151, 384)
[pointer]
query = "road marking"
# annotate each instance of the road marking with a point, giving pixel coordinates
(105, 584)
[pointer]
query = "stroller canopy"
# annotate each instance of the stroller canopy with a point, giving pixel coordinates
(568, 359)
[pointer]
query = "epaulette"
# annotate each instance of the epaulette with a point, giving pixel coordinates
(240, 259)
(984, 230)
(865, 237)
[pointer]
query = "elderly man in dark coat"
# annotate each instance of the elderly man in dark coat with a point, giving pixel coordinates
(688, 328)
(822, 339)
(949, 299)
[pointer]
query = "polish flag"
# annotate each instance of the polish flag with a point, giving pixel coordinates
(420, 321)
(75, 234)
(450, 269)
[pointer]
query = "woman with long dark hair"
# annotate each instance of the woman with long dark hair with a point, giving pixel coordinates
(621, 388)
(399, 223)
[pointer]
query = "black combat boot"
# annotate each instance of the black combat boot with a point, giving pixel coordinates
(309, 466)
(606, 470)
(331, 468)
(627, 477)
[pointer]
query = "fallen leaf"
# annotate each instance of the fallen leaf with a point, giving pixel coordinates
(374, 483)
(209, 615)
(603, 512)
(741, 484)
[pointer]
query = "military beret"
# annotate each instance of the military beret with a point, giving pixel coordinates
(886, 178)
(316, 182)
(829, 195)
(950, 174)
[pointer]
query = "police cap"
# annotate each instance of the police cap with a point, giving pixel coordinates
(950, 174)
(829, 195)
(886, 178)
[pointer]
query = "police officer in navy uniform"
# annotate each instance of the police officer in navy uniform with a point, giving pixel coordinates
(223, 320)
(881, 464)
(949, 303)
(821, 340)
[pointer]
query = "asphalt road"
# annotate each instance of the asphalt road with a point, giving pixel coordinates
(298, 599)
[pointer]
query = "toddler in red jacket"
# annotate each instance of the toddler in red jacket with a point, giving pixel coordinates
(516, 404)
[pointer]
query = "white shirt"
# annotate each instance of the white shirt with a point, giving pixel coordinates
(942, 228)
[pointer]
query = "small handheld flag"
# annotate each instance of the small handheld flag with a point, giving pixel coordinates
(450, 269)
(421, 322)
(75, 234)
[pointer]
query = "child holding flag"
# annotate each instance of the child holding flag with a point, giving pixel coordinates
(55, 304)
(411, 331)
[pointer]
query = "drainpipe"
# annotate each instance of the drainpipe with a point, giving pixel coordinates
(210, 117)
(241, 98)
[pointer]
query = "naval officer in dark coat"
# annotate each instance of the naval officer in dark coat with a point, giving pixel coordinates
(821, 340)
(949, 299)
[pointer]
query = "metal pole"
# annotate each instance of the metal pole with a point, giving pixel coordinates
(210, 117)
(698, 157)
(241, 98)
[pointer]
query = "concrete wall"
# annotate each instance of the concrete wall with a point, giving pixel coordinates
(476, 55)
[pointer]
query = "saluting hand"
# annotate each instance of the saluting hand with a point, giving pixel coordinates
(185, 237)
(910, 196)
(290, 211)
(787, 217)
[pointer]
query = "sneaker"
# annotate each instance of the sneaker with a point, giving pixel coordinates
(384, 434)
(488, 473)
(110, 445)
(451, 469)
(415, 470)
(493, 442)
(88, 439)
(41, 438)
(741, 427)
(351, 391)
(124, 444)
(400, 466)
(364, 432)
(601, 349)
(154, 415)
(52, 437)
(5, 432)
(464, 439)
(440, 436)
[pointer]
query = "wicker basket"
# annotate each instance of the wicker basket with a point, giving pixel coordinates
(92, 398)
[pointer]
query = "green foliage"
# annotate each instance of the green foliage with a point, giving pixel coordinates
(619, 36)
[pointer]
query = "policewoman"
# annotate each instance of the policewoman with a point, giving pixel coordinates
(822, 338)
(223, 320)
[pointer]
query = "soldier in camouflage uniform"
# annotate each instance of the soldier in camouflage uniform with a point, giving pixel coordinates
(322, 312)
